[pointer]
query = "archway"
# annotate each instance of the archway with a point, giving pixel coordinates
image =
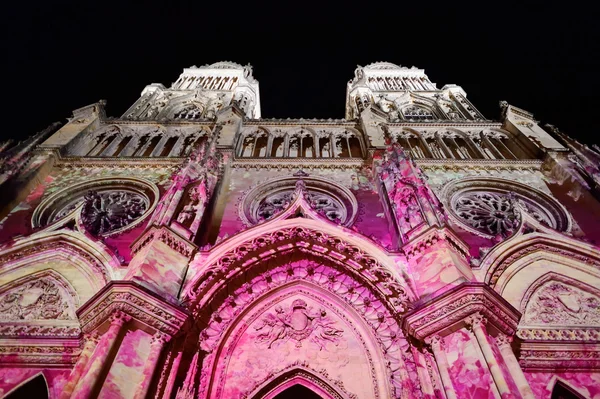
(299, 392)
(34, 388)
(290, 297)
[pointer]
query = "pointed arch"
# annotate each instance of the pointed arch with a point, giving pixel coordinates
(34, 387)
(87, 264)
(298, 375)
(561, 389)
(540, 253)
(317, 236)
(270, 258)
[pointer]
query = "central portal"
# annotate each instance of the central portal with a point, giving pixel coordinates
(297, 392)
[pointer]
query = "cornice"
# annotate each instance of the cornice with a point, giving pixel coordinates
(454, 164)
(117, 162)
(165, 122)
(447, 123)
(301, 122)
(447, 313)
(295, 163)
(47, 353)
(535, 356)
(135, 301)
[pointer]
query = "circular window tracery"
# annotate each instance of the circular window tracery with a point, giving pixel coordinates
(106, 206)
(327, 198)
(493, 207)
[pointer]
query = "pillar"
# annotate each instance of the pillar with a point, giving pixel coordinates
(477, 323)
(86, 384)
(158, 343)
(90, 342)
(503, 342)
(160, 145)
(437, 347)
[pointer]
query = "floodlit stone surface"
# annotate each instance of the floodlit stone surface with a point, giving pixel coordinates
(193, 249)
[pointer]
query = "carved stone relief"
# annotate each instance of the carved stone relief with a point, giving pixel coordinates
(112, 210)
(559, 304)
(38, 299)
(332, 201)
(297, 323)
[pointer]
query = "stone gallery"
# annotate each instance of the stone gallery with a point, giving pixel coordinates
(193, 249)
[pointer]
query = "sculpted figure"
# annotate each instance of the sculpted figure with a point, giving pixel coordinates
(214, 106)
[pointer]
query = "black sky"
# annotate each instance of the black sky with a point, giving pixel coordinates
(62, 55)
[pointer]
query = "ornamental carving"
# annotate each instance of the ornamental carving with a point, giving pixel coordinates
(488, 212)
(297, 323)
(107, 206)
(327, 198)
(38, 299)
(492, 208)
(112, 210)
(560, 304)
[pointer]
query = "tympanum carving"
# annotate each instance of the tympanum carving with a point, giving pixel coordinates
(297, 323)
(559, 304)
(38, 299)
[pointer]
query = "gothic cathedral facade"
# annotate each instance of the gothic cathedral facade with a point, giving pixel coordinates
(193, 249)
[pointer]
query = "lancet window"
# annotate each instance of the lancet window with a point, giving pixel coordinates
(300, 143)
(415, 145)
(127, 143)
(189, 112)
(457, 145)
(417, 113)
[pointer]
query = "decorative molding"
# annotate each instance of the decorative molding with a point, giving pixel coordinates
(132, 300)
(443, 314)
(39, 353)
(307, 240)
(493, 274)
(553, 357)
(167, 236)
(303, 370)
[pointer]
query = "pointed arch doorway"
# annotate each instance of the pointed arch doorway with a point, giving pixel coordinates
(297, 392)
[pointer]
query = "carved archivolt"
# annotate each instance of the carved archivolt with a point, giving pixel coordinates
(326, 197)
(303, 255)
(307, 326)
(105, 206)
(492, 207)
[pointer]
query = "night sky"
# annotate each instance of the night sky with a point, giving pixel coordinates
(60, 55)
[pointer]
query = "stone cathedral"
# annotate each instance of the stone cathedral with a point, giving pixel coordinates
(192, 249)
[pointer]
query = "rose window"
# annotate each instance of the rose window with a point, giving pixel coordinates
(105, 206)
(494, 207)
(335, 202)
(495, 213)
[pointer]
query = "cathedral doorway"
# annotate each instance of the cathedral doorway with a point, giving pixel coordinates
(297, 392)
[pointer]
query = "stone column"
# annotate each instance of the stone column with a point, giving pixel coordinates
(477, 323)
(85, 386)
(90, 341)
(437, 347)
(158, 343)
(160, 146)
(503, 342)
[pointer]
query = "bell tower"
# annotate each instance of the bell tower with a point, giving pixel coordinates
(199, 94)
